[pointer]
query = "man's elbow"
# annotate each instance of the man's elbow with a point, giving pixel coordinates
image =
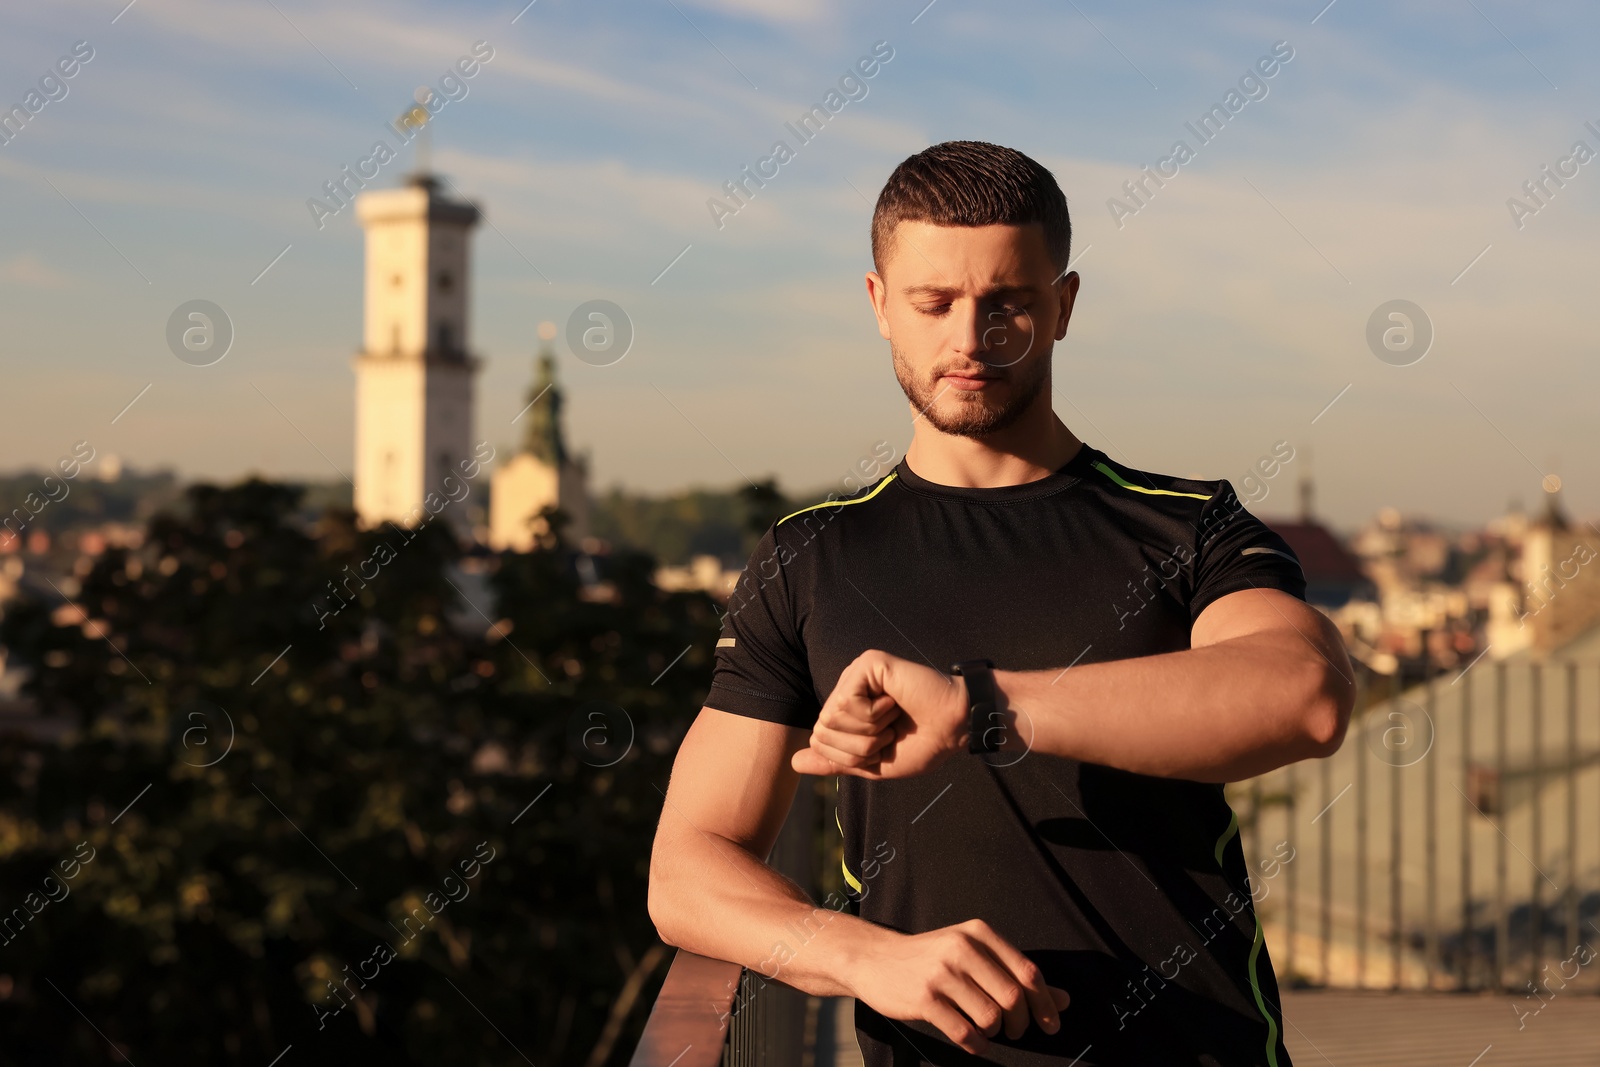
(1330, 698)
(661, 901)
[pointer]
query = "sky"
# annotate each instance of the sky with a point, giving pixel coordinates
(1225, 312)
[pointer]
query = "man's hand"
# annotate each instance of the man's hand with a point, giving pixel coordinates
(966, 979)
(887, 718)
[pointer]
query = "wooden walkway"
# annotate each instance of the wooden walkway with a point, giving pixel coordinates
(1351, 1029)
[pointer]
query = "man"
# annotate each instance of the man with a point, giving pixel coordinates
(1080, 893)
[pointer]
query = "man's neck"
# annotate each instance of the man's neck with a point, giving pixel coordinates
(1017, 455)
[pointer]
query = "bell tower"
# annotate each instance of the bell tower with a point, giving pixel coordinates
(415, 370)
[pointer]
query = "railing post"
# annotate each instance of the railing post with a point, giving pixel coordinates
(1572, 807)
(1536, 898)
(1325, 873)
(1502, 922)
(1396, 927)
(1468, 805)
(1289, 887)
(1361, 839)
(1430, 802)
(1252, 836)
(1396, 930)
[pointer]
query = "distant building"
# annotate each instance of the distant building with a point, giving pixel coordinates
(1333, 574)
(414, 372)
(1550, 591)
(703, 573)
(543, 473)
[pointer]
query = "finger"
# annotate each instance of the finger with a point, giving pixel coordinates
(1000, 986)
(846, 721)
(842, 757)
(884, 708)
(1018, 1018)
(872, 774)
(1042, 1006)
(975, 1003)
(857, 744)
(957, 1027)
(861, 743)
(859, 715)
(816, 761)
(1061, 997)
(810, 761)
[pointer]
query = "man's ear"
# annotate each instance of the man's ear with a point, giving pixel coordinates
(1069, 297)
(878, 294)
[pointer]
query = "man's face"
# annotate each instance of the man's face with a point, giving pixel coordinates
(971, 314)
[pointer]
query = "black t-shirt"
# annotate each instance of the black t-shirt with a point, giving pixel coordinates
(1129, 891)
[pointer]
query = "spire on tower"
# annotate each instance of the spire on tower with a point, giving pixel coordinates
(416, 118)
(544, 473)
(544, 437)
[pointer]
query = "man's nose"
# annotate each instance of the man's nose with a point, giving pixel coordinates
(969, 331)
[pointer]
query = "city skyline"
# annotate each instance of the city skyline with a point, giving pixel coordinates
(1370, 166)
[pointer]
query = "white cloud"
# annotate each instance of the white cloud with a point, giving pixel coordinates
(781, 12)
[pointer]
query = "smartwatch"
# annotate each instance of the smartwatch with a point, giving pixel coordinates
(987, 729)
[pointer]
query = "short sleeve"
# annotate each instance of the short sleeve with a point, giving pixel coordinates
(1234, 550)
(761, 669)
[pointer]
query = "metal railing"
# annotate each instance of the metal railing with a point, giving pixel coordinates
(710, 1013)
(688, 1024)
(1452, 843)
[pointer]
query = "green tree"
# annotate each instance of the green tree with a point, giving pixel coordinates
(764, 504)
(727, 523)
(456, 758)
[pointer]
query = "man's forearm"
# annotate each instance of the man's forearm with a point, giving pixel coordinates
(711, 896)
(1218, 713)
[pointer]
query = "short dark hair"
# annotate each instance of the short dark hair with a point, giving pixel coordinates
(972, 183)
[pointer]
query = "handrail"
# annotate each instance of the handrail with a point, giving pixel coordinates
(689, 1022)
(692, 1023)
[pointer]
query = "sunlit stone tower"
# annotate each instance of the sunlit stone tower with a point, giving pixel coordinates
(414, 372)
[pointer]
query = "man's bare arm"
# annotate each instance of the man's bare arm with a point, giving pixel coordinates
(1265, 682)
(711, 893)
(710, 890)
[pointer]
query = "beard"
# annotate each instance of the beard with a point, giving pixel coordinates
(971, 414)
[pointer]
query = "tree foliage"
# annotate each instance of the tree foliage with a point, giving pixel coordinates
(463, 763)
(726, 523)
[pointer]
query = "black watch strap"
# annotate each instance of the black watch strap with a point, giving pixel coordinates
(986, 728)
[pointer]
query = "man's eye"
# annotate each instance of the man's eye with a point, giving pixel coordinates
(937, 309)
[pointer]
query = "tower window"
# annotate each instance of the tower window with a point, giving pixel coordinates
(396, 281)
(446, 282)
(444, 337)
(394, 338)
